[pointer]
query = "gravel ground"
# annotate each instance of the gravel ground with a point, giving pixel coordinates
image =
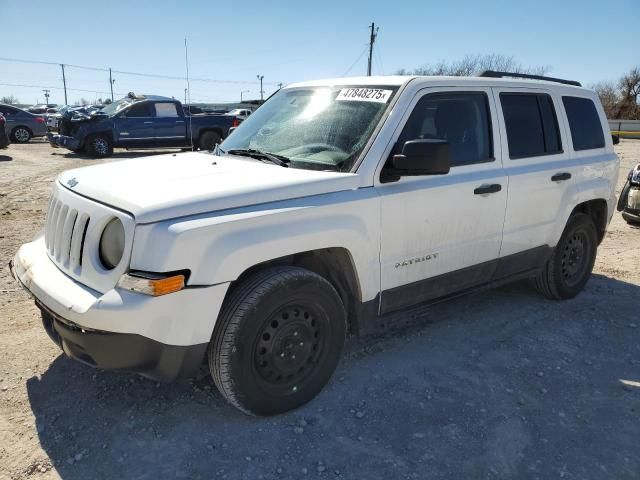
(502, 384)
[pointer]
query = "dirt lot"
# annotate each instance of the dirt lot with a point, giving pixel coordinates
(503, 384)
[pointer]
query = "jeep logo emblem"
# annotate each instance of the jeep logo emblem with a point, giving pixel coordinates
(72, 182)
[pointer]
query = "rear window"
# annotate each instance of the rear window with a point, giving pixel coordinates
(584, 123)
(532, 125)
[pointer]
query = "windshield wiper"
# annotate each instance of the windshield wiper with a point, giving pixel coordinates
(259, 155)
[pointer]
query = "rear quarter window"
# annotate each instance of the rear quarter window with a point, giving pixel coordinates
(584, 123)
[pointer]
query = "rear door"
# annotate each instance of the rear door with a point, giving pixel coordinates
(134, 126)
(532, 125)
(442, 233)
(168, 125)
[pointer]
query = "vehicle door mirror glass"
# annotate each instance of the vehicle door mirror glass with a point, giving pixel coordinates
(423, 157)
(615, 138)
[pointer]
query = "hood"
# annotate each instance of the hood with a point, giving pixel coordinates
(167, 186)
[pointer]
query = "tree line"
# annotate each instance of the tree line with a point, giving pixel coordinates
(620, 99)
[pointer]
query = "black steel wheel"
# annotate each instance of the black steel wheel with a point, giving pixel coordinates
(277, 341)
(570, 266)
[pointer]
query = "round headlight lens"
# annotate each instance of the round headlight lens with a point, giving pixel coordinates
(112, 244)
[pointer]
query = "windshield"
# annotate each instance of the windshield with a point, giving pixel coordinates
(316, 128)
(117, 106)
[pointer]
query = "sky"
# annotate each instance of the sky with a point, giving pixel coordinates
(285, 41)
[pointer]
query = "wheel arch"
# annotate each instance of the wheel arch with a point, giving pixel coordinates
(597, 209)
(26, 127)
(334, 264)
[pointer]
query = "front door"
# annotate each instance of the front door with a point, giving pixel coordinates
(134, 126)
(442, 233)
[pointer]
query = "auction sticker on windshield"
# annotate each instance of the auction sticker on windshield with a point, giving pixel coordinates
(364, 95)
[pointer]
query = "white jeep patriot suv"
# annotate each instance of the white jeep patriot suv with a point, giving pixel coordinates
(336, 205)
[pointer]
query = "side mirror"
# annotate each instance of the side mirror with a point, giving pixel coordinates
(421, 157)
(615, 138)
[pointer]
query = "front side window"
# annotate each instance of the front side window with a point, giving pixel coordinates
(584, 123)
(461, 119)
(531, 123)
(316, 128)
(139, 110)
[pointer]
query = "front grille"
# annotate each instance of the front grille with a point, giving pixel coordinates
(64, 234)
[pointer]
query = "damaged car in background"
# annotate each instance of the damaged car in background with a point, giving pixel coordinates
(139, 121)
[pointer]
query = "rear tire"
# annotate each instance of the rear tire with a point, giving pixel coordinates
(570, 266)
(208, 140)
(99, 146)
(21, 135)
(277, 341)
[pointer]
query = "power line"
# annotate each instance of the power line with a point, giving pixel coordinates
(56, 88)
(356, 61)
(138, 74)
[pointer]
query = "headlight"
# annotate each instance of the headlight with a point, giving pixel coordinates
(112, 244)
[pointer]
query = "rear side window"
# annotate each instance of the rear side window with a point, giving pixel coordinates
(532, 124)
(462, 119)
(584, 122)
(166, 109)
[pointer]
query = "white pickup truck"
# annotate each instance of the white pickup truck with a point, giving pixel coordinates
(335, 206)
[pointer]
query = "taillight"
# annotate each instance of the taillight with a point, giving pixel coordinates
(235, 122)
(40, 120)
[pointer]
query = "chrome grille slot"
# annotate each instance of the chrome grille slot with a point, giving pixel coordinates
(77, 241)
(65, 229)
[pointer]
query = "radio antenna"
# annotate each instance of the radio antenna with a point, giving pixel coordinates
(186, 63)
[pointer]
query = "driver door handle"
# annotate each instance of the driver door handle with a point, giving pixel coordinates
(484, 189)
(559, 177)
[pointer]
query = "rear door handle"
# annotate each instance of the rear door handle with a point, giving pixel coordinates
(484, 189)
(559, 177)
(148, 122)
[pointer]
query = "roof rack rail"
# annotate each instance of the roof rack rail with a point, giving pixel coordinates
(495, 74)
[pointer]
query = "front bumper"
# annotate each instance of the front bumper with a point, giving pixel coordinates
(56, 140)
(160, 337)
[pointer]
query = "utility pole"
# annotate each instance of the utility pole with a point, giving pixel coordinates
(111, 82)
(64, 84)
(241, 92)
(261, 77)
(46, 95)
(372, 39)
(280, 86)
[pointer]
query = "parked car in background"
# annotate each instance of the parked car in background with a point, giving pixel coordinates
(629, 201)
(241, 113)
(41, 109)
(22, 126)
(54, 118)
(4, 138)
(139, 121)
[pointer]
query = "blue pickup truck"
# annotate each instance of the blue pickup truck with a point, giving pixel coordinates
(140, 121)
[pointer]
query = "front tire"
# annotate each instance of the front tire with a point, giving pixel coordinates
(99, 146)
(570, 266)
(21, 135)
(277, 341)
